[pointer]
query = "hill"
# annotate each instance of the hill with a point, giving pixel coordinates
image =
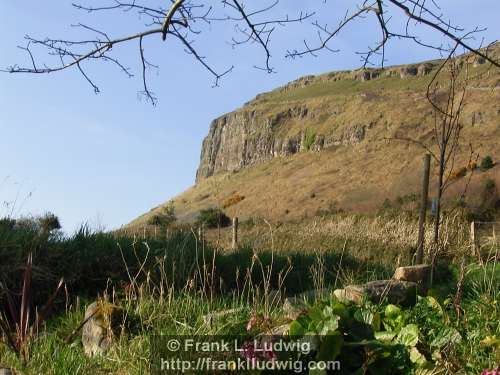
(326, 143)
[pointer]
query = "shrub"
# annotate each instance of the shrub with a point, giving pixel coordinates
(489, 187)
(487, 163)
(165, 217)
(386, 204)
(472, 166)
(213, 218)
(232, 200)
(459, 173)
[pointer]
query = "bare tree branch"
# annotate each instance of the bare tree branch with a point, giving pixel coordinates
(188, 19)
(168, 18)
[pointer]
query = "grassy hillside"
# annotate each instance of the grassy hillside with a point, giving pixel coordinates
(357, 177)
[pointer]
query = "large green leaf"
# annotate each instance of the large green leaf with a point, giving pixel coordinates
(296, 329)
(329, 325)
(392, 311)
(417, 357)
(330, 347)
(340, 309)
(446, 336)
(385, 335)
(408, 335)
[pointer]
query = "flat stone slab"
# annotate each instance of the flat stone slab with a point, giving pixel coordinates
(418, 274)
(392, 291)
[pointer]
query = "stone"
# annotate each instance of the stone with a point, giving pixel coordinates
(293, 307)
(393, 291)
(211, 318)
(479, 61)
(424, 69)
(97, 332)
(417, 274)
(343, 296)
(6, 371)
(397, 292)
(408, 71)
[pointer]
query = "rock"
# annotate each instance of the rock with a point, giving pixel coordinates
(293, 307)
(366, 74)
(211, 318)
(250, 137)
(343, 297)
(97, 332)
(479, 61)
(424, 69)
(393, 291)
(6, 371)
(417, 274)
(408, 71)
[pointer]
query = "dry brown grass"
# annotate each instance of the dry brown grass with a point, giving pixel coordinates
(357, 177)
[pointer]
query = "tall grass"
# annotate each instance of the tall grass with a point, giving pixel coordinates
(167, 286)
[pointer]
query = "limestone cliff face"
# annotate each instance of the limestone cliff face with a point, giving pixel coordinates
(248, 137)
(287, 120)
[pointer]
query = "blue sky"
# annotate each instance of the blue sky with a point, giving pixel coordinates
(107, 158)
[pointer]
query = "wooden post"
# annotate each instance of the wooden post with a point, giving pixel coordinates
(235, 233)
(423, 210)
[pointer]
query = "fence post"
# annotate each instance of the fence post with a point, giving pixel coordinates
(473, 238)
(235, 233)
(423, 210)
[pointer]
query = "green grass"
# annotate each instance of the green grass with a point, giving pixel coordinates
(347, 87)
(182, 279)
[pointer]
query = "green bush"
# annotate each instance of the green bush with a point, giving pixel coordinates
(213, 218)
(166, 217)
(487, 163)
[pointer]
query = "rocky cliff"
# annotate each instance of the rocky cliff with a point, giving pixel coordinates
(291, 119)
(249, 137)
(328, 142)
